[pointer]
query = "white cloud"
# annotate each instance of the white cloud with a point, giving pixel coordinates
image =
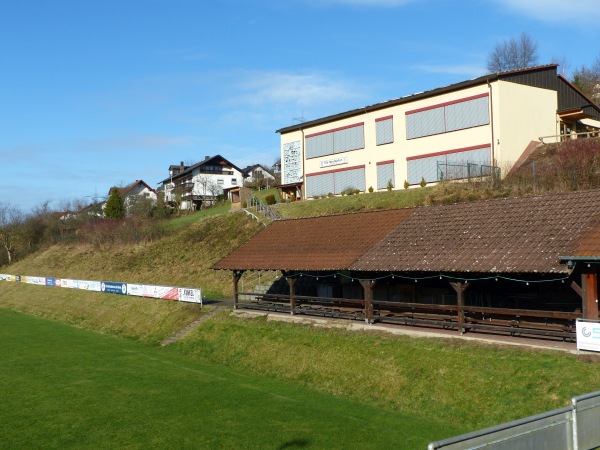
(577, 11)
(468, 70)
(297, 89)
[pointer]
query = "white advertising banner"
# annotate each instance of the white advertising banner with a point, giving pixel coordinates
(81, 284)
(139, 290)
(588, 335)
(190, 295)
(40, 281)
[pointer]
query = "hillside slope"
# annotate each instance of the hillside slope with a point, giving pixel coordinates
(182, 258)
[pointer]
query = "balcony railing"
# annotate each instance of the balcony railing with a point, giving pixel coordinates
(567, 137)
(217, 172)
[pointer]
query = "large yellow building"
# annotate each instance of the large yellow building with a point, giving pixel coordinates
(463, 130)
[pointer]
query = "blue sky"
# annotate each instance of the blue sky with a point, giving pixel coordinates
(101, 93)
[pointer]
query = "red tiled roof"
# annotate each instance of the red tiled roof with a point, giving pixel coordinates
(514, 235)
(526, 234)
(316, 243)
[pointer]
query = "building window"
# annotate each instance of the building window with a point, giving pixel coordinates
(450, 165)
(335, 141)
(220, 181)
(384, 130)
(452, 116)
(234, 181)
(335, 181)
(385, 174)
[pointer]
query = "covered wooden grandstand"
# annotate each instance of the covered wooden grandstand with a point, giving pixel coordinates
(518, 266)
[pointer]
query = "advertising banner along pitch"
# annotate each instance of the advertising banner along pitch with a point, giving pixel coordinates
(588, 335)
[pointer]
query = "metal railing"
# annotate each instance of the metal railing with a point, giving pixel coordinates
(553, 139)
(573, 427)
(466, 170)
(263, 208)
(251, 279)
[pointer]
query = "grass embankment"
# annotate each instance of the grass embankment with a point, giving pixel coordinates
(443, 193)
(181, 258)
(465, 384)
(184, 221)
(141, 319)
(67, 388)
(355, 203)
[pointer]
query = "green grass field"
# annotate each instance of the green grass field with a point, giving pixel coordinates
(237, 382)
(63, 387)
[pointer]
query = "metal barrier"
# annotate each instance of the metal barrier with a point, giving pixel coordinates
(574, 427)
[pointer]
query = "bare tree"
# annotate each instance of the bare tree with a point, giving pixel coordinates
(513, 54)
(564, 66)
(215, 190)
(203, 182)
(588, 81)
(10, 219)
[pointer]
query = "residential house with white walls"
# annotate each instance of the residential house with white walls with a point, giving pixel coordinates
(137, 195)
(200, 184)
(258, 175)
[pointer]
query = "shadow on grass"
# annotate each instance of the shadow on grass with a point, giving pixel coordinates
(296, 443)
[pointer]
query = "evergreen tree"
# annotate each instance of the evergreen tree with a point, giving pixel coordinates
(115, 208)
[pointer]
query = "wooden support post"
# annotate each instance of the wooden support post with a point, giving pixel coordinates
(460, 289)
(368, 296)
(589, 297)
(237, 274)
(292, 282)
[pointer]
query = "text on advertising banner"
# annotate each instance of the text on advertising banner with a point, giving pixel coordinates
(40, 281)
(114, 288)
(190, 295)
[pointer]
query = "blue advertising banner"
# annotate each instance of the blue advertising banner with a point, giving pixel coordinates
(114, 288)
(50, 281)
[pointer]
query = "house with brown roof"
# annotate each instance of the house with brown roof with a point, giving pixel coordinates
(525, 265)
(475, 128)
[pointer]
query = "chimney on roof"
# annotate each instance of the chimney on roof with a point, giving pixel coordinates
(206, 157)
(181, 167)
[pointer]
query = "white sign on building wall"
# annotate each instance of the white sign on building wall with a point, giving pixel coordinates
(334, 161)
(292, 163)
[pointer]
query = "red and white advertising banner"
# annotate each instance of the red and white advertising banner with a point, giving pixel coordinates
(165, 292)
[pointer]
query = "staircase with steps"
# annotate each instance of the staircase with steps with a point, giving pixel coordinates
(190, 327)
